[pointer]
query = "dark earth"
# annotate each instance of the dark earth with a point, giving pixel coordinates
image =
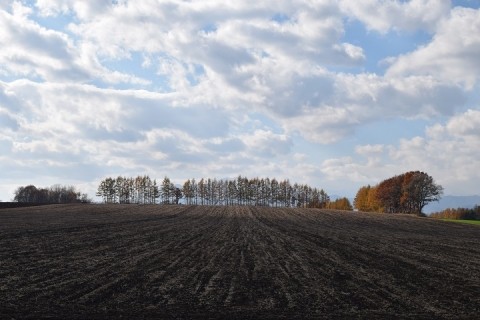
(131, 261)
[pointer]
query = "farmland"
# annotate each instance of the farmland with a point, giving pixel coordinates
(132, 261)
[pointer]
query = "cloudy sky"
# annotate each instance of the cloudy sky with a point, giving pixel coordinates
(335, 94)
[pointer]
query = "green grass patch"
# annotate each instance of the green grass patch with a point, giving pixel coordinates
(476, 222)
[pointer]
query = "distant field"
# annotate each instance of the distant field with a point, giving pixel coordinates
(476, 222)
(9, 205)
(184, 262)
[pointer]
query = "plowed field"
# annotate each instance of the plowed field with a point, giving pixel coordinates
(112, 261)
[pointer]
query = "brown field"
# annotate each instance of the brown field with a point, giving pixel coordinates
(130, 261)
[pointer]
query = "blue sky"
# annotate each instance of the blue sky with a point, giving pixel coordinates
(335, 94)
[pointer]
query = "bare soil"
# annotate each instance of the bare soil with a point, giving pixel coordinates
(184, 262)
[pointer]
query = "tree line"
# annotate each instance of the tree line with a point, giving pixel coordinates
(207, 191)
(458, 214)
(141, 189)
(54, 194)
(340, 204)
(409, 192)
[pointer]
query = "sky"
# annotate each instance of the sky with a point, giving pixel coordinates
(334, 94)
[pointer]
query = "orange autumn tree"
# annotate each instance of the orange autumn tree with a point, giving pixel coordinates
(366, 199)
(409, 192)
(340, 204)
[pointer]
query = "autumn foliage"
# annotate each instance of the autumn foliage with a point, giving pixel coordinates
(409, 192)
(340, 204)
(366, 199)
(458, 214)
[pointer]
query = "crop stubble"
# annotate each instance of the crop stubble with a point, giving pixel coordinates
(152, 261)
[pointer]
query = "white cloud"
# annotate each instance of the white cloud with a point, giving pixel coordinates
(84, 10)
(408, 97)
(356, 100)
(369, 149)
(450, 154)
(251, 60)
(52, 116)
(242, 35)
(32, 51)
(226, 88)
(467, 124)
(322, 125)
(451, 56)
(62, 126)
(410, 15)
(267, 144)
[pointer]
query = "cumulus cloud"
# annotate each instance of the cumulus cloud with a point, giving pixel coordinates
(84, 110)
(369, 149)
(31, 50)
(226, 88)
(452, 55)
(449, 152)
(356, 100)
(467, 124)
(63, 127)
(267, 144)
(383, 16)
(90, 124)
(84, 10)
(243, 35)
(248, 58)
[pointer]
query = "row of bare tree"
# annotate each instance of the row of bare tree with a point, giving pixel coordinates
(256, 191)
(239, 191)
(141, 189)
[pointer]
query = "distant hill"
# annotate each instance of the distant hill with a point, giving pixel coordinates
(452, 202)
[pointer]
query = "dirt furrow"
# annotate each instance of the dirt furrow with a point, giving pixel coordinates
(110, 261)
